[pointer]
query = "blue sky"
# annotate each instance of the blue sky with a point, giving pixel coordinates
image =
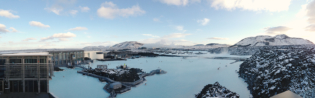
(26, 24)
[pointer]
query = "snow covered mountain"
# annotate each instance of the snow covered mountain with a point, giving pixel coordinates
(272, 71)
(208, 46)
(264, 40)
(127, 45)
(199, 45)
(95, 48)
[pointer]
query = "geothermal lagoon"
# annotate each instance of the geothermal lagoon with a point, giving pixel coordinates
(185, 77)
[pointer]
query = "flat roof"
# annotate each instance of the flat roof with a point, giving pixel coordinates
(286, 94)
(28, 54)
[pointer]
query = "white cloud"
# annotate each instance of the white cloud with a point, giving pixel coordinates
(109, 10)
(203, 21)
(3, 28)
(180, 28)
(55, 9)
(311, 28)
(78, 28)
(253, 5)
(107, 43)
(64, 35)
(218, 38)
(277, 30)
(171, 39)
(59, 5)
(59, 36)
(156, 19)
(310, 9)
(8, 14)
(176, 35)
(178, 2)
(84, 9)
(73, 12)
(28, 39)
(88, 36)
(13, 29)
(38, 24)
(150, 35)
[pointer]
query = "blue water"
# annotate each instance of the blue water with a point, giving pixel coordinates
(185, 77)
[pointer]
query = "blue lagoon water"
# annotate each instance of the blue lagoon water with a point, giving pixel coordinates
(185, 77)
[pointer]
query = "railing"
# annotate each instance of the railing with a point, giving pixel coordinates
(29, 70)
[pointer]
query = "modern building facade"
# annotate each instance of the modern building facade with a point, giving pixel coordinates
(25, 72)
(94, 54)
(66, 57)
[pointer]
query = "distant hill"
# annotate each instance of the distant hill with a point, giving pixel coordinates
(127, 45)
(199, 45)
(95, 48)
(207, 46)
(277, 40)
(213, 44)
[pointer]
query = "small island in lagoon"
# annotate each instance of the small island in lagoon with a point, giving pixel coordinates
(121, 79)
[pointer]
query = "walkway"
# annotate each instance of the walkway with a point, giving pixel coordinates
(26, 95)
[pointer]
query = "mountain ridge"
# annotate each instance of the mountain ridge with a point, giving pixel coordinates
(265, 40)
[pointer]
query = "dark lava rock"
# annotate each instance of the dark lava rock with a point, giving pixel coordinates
(216, 90)
(272, 71)
(57, 69)
(130, 76)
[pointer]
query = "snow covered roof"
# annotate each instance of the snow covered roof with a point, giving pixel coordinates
(27, 54)
(286, 94)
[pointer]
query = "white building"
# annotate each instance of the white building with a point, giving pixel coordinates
(94, 54)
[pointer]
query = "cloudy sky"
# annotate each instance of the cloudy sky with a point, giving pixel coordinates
(26, 24)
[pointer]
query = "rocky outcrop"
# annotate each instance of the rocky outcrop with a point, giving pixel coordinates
(57, 69)
(271, 71)
(216, 90)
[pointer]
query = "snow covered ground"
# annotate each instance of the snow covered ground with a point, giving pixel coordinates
(270, 72)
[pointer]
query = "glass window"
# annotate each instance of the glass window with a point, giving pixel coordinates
(15, 61)
(43, 61)
(30, 71)
(30, 60)
(2, 72)
(31, 84)
(20, 86)
(1, 85)
(35, 86)
(43, 86)
(2, 61)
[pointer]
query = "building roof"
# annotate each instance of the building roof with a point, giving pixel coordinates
(114, 84)
(27, 54)
(40, 50)
(286, 94)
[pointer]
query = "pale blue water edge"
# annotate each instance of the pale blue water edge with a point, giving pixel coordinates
(184, 78)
